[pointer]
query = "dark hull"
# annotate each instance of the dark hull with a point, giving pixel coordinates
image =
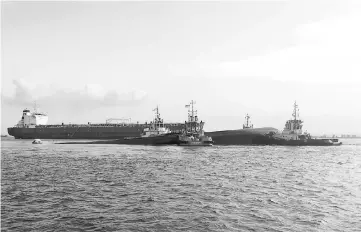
(83, 132)
(195, 144)
(260, 136)
(168, 139)
(306, 142)
(256, 136)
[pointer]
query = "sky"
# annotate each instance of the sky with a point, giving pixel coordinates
(88, 61)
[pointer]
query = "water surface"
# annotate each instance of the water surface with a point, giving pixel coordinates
(59, 187)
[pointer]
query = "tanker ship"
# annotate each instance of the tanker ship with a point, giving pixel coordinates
(33, 125)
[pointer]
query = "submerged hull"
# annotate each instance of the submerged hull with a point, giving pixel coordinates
(255, 136)
(261, 136)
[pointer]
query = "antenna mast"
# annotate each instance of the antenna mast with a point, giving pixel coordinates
(192, 111)
(35, 108)
(295, 109)
(157, 112)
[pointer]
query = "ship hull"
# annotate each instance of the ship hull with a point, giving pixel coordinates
(306, 142)
(116, 135)
(195, 144)
(255, 136)
(83, 132)
(260, 136)
(167, 139)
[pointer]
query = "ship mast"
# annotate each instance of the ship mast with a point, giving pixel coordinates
(192, 111)
(157, 120)
(35, 108)
(156, 113)
(295, 111)
(297, 123)
(192, 116)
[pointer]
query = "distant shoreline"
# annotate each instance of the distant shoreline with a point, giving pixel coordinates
(329, 137)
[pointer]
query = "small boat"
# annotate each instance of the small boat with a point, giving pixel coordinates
(37, 141)
(193, 134)
(292, 134)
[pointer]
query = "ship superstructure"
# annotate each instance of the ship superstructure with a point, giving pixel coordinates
(32, 119)
(156, 127)
(293, 127)
(193, 134)
(292, 134)
(193, 125)
(247, 124)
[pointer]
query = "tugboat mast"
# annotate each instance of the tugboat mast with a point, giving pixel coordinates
(295, 123)
(35, 108)
(157, 119)
(193, 112)
(156, 113)
(192, 117)
(295, 111)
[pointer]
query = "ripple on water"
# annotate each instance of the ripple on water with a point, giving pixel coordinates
(170, 188)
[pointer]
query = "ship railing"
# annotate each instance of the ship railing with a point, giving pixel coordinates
(104, 125)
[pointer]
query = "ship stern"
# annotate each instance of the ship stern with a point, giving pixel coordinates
(11, 132)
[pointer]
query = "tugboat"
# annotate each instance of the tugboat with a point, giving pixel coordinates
(247, 124)
(193, 134)
(292, 134)
(155, 134)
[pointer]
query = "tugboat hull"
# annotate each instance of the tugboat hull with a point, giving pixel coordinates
(196, 143)
(306, 142)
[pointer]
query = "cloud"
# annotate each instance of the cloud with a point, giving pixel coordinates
(327, 50)
(90, 96)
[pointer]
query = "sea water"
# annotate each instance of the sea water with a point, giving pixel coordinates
(59, 187)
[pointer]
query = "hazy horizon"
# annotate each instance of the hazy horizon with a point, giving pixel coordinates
(89, 61)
